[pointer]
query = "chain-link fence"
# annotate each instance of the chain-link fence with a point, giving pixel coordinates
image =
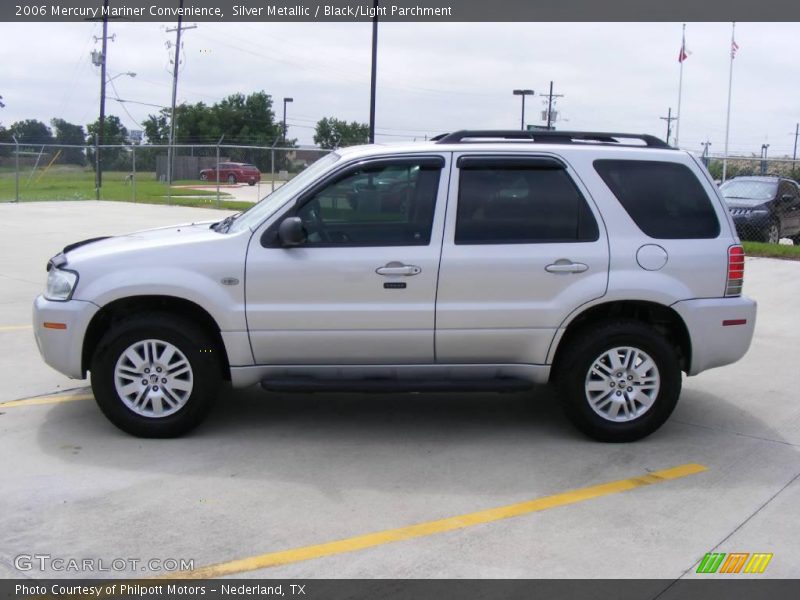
(222, 176)
(762, 195)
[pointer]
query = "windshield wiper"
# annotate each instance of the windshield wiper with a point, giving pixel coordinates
(224, 225)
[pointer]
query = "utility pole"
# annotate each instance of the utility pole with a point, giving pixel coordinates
(374, 76)
(705, 157)
(550, 97)
(794, 154)
(175, 66)
(98, 172)
(669, 119)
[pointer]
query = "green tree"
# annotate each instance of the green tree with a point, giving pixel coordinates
(69, 133)
(332, 133)
(114, 133)
(156, 127)
(31, 131)
(243, 120)
(5, 138)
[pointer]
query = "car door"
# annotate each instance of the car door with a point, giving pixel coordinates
(790, 208)
(362, 288)
(523, 248)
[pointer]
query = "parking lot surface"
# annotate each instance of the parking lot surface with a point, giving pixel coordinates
(267, 485)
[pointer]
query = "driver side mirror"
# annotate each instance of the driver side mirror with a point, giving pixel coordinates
(291, 232)
(787, 198)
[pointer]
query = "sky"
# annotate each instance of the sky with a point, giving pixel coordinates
(432, 77)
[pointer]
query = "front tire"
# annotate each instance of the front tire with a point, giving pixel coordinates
(619, 381)
(231, 179)
(772, 235)
(155, 375)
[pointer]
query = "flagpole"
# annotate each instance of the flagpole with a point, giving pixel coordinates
(728, 119)
(680, 88)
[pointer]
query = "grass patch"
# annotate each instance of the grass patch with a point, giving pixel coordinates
(771, 250)
(63, 182)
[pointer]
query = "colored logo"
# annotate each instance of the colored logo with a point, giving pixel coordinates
(735, 562)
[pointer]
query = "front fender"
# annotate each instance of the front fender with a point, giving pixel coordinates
(223, 301)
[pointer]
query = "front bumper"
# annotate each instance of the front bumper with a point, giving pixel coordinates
(720, 330)
(751, 225)
(62, 347)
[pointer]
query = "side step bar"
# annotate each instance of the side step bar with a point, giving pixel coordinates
(385, 385)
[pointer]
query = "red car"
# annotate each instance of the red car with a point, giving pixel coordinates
(233, 172)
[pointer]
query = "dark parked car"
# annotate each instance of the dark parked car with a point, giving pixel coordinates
(764, 209)
(233, 172)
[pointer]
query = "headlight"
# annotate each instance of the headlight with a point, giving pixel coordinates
(60, 284)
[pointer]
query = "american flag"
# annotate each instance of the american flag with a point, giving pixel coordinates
(734, 48)
(684, 53)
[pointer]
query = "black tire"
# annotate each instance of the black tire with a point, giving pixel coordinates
(772, 230)
(231, 178)
(198, 349)
(589, 345)
(251, 183)
(203, 176)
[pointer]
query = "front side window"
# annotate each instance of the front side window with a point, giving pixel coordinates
(256, 215)
(389, 204)
(520, 202)
(664, 199)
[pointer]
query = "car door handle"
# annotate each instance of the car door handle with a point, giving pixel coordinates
(397, 268)
(566, 266)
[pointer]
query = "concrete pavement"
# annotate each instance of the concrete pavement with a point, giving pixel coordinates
(268, 473)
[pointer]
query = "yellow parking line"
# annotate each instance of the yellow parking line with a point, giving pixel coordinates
(45, 400)
(370, 540)
(15, 327)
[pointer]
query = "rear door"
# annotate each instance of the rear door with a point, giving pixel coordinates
(523, 247)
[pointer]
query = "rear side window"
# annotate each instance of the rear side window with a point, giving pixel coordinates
(665, 200)
(520, 202)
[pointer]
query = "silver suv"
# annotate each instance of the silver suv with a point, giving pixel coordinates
(606, 264)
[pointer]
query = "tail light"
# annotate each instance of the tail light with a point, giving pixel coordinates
(733, 286)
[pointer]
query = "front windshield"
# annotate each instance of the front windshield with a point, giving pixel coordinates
(749, 189)
(256, 215)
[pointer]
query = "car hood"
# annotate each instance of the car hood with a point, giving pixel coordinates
(148, 239)
(744, 202)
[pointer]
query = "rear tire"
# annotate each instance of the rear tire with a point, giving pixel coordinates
(155, 375)
(619, 381)
(231, 179)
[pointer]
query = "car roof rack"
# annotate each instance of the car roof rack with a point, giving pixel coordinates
(551, 136)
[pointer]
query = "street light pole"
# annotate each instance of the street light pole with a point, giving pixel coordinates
(374, 74)
(523, 93)
(283, 136)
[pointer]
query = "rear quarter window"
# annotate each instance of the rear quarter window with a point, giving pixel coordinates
(664, 199)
